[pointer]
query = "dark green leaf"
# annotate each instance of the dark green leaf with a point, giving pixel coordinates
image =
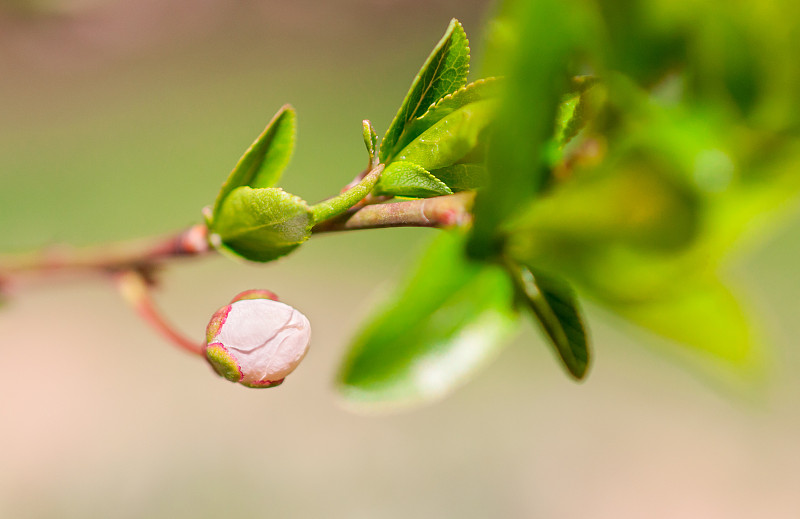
(261, 224)
(407, 179)
(554, 304)
(444, 72)
(572, 112)
(443, 326)
(264, 161)
(451, 139)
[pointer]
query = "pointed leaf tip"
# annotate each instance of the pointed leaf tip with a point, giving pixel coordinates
(264, 161)
(409, 179)
(444, 72)
(555, 306)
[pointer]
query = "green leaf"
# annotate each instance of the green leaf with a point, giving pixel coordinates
(479, 90)
(572, 112)
(463, 177)
(408, 179)
(261, 224)
(370, 141)
(630, 201)
(547, 38)
(264, 161)
(452, 138)
(442, 327)
(554, 304)
(704, 316)
(444, 72)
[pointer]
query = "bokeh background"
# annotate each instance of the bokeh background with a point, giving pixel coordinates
(120, 119)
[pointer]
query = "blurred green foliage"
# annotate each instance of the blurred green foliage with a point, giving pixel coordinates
(636, 145)
(449, 319)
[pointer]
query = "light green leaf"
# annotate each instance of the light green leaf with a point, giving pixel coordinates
(442, 327)
(554, 304)
(479, 90)
(704, 316)
(452, 138)
(264, 161)
(444, 72)
(370, 141)
(631, 201)
(463, 177)
(261, 224)
(408, 179)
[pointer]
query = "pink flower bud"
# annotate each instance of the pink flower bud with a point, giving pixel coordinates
(257, 342)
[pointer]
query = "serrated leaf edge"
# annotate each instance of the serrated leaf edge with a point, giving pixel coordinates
(461, 90)
(419, 168)
(241, 230)
(453, 26)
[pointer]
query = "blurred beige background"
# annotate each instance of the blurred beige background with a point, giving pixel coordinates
(121, 119)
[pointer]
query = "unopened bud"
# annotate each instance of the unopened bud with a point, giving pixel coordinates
(257, 340)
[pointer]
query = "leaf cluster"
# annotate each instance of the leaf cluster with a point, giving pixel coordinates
(621, 154)
(455, 311)
(629, 150)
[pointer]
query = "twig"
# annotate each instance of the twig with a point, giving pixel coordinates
(144, 256)
(339, 204)
(441, 211)
(135, 289)
(134, 255)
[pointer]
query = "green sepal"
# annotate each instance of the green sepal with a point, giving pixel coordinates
(463, 177)
(480, 90)
(370, 141)
(452, 138)
(445, 324)
(261, 224)
(265, 385)
(223, 362)
(444, 72)
(555, 306)
(409, 179)
(264, 161)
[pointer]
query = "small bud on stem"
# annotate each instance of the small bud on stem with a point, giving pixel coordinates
(256, 340)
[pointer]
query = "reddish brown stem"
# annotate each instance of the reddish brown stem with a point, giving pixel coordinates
(441, 211)
(133, 255)
(136, 290)
(132, 263)
(145, 255)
